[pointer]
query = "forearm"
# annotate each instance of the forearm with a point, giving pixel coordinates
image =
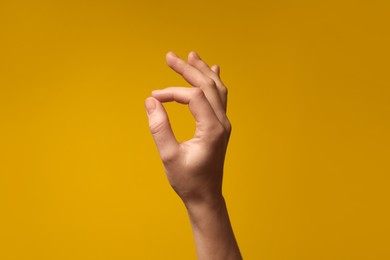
(212, 230)
(195, 167)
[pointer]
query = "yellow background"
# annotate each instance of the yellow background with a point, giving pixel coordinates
(307, 171)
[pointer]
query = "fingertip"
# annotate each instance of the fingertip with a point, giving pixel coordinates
(150, 105)
(193, 54)
(170, 56)
(171, 53)
(155, 93)
(216, 69)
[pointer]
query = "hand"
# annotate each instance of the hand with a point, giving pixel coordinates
(195, 167)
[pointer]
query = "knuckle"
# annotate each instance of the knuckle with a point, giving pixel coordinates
(228, 126)
(209, 82)
(169, 156)
(222, 130)
(197, 92)
(218, 132)
(186, 71)
(157, 127)
(223, 90)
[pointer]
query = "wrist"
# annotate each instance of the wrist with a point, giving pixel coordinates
(203, 195)
(198, 210)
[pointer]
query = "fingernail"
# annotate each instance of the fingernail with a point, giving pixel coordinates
(196, 55)
(216, 69)
(156, 91)
(172, 54)
(150, 105)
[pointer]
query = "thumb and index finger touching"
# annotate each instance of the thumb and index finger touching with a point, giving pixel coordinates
(199, 75)
(204, 101)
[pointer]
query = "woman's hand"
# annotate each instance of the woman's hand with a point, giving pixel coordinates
(194, 168)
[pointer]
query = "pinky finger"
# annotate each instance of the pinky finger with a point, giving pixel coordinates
(223, 92)
(216, 69)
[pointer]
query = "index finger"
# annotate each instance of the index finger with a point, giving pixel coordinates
(198, 104)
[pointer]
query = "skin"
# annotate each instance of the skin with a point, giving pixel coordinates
(194, 168)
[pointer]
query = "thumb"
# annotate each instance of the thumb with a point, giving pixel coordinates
(161, 130)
